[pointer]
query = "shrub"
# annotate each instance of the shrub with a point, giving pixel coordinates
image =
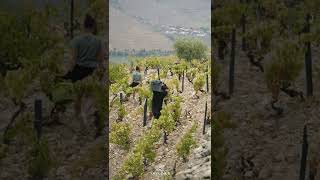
(187, 143)
(285, 67)
(176, 108)
(199, 82)
(41, 161)
(189, 48)
(120, 133)
(121, 112)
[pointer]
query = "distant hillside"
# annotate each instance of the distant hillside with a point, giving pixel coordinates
(127, 33)
(191, 13)
(148, 24)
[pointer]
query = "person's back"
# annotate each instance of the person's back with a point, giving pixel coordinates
(87, 52)
(87, 47)
(136, 77)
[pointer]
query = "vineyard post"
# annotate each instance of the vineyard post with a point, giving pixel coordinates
(158, 73)
(243, 24)
(145, 112)
(71, 17)
(207, 79)
(182, 85)
(38, 117)
(121, 98)
(308, 60)
(232, 60)
(312, 173)
(304, 154)
(165, 137)
(205, 119)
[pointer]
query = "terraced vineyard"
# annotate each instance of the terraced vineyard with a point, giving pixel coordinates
(40, 135)
(267, 89)
(161, 148)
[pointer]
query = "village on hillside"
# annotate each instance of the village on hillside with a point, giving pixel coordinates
(176, 30)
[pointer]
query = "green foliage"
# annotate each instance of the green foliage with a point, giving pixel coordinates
(153, 62)
(263, 31)
(3, 151)
(96, 154)
(229, 14)
(166, 121)
(285, 67)
(101, 96)
(144, 92)
(60, 92)
(163, 73)
(22, 131)
(190, 49)
(117, 72)
(143, 151)
(26, 37)
(97, 8)
(199, 82)
(120, 133)
(179, 68)
(176, 108)
(17, 83)
(191, 73)
(41, 161)
(121, 111)
(145, 145)
(221, 121)
(134, 164)
(173, 84)
(186, 143)
(312, 7)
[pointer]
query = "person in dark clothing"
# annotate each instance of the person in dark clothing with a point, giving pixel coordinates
(159, 90)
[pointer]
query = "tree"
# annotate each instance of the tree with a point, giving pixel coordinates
(190, 48)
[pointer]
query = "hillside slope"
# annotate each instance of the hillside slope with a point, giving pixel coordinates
(189, 13)
(193, 110)
(126, 33)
